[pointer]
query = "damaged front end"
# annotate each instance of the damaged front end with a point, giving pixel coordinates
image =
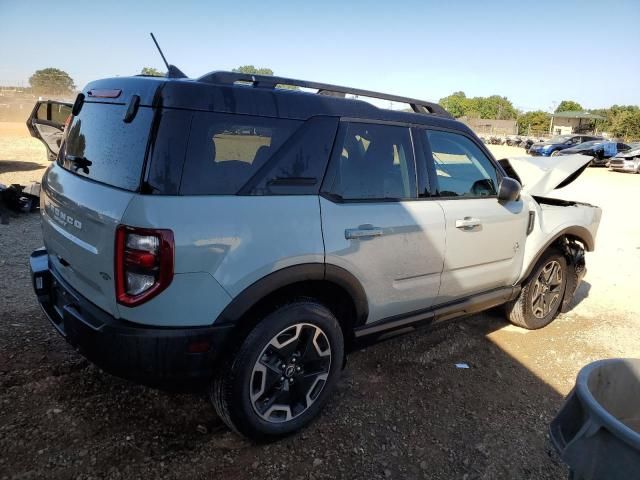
(568, 225)
(576, 270)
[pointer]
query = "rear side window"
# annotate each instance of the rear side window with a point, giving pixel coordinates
(372, 162)
(298, 166)
(102, 147)
(60, 113)
(225, 151)
(462, 169)
(167, 151)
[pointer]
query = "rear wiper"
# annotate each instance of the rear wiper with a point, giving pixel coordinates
(80, 163)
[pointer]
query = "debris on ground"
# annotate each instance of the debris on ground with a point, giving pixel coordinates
(18, 198)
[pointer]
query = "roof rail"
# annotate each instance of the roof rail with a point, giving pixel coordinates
(269, 81)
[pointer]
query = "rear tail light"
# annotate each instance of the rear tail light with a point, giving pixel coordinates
(144, 263)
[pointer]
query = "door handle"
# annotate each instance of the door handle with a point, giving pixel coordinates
(467, 223)
(362, 232)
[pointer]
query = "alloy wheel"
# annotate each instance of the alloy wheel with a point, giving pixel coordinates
(290, 373)
(547, 289)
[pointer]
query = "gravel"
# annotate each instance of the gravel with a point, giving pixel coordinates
(401, 410)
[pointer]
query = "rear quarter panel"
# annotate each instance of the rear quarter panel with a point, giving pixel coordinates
(227, 243)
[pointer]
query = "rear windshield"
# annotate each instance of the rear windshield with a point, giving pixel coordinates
(102, 147)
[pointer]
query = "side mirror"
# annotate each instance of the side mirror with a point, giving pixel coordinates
(509, 190)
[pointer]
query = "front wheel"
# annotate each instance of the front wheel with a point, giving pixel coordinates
(283, 373)
(555, 153)
(541, 296)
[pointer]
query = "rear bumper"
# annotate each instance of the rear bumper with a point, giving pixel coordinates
(164, 357)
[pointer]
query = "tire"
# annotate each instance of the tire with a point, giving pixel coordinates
(282, 374)
(529, 310)
(555, 153)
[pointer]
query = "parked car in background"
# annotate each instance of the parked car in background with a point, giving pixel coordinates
(628, 161)
(600, 150)
(514, 140)
(528, 142)
(560, 142)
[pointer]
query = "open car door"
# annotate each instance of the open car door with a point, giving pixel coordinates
(47, 122)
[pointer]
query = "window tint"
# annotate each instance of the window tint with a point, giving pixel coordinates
(225, 151)
(59, 113)
(298, 166)
(373, 162)
(462, 169)
(41, 114)
(100, 146)
(167, 152)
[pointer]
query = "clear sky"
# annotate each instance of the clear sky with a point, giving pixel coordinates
(535, 53)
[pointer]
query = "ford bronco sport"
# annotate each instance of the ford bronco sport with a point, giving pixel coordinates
(227, 232)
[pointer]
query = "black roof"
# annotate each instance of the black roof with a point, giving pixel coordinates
(257, 95)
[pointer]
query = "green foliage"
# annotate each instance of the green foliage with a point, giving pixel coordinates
(51, 81)
(626, 124)
(615, 118)
(568, 106)
(456, 104)
(533, 122)
(252, 70)
(493, 107)
(154, 72)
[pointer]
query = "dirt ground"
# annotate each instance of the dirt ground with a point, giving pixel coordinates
(402, 408)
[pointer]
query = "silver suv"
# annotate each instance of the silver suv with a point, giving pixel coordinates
(229, 233)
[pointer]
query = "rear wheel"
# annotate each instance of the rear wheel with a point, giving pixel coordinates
(283, 373)
(541, 297)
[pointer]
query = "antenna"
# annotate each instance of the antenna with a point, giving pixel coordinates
(159, 50)
(172, 70)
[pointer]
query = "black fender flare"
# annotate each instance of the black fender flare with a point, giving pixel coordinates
(254, 293)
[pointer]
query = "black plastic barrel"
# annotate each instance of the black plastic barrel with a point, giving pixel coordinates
(597, 431)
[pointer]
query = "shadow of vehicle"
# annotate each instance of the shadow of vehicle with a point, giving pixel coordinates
(581, 293)
(402, 406)
(7, 166)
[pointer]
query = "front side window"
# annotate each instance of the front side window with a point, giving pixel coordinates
(462, 169)
(225, 151)
(373, 162)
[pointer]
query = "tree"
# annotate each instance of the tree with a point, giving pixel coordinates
(51, 81)
(493, 107)
(627, 125)
(253, 70)
(457, 104)
(153, 72)
(568, 106)
(533, 122)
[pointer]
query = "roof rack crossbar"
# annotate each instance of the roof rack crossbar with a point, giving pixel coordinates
(268, 81)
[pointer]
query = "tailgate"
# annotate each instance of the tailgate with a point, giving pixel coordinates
(79, 219)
